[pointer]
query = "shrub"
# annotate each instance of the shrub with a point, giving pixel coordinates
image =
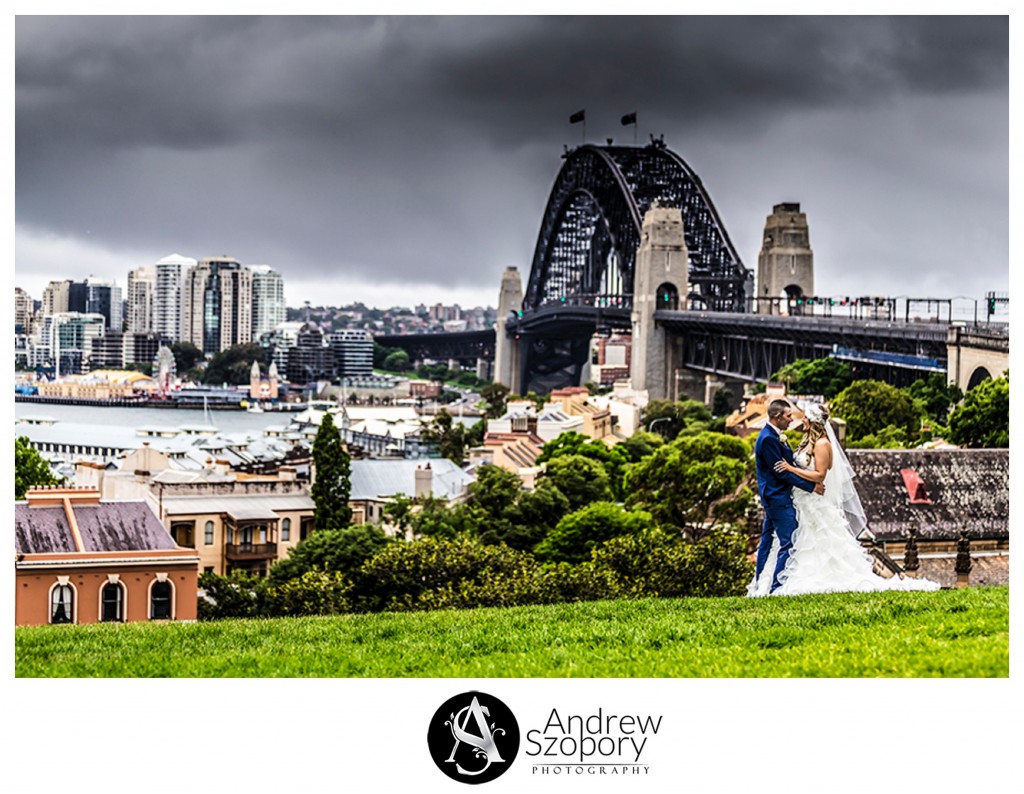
(236, 596)
(341, 550)
(402, 576)
(576, 535)
(563, 583)
(312, 593)
(659, 563)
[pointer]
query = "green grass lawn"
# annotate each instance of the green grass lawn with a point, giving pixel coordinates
(963, 633)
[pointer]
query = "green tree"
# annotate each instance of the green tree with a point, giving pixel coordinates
(331, 488)
(494, 490)
(186, 356)
(30, 469)
(888, 437)
(612, 459)
(145, 367)
(397, 361)
(380, 354)
(934, 396)
(691, 480)
(579, 533)
(233, 365)
(824, 376)
(983, 419)
(496, 396)
(341, 550)
(722, 403)
(867, 406)
(582, 480)
(529, 519)
(641, 444)
(449, 436)
(668, 418)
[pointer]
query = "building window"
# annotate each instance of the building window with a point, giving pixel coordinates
(160, 601)
(62, 604)
(113, 602)
(286, 529)
(208, 538)
(182, 531)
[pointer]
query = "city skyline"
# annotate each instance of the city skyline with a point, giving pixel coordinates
(404, 160)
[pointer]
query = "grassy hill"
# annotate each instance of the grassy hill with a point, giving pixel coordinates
(959, 633)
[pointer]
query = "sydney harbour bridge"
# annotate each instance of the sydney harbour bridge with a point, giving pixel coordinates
(584, 280)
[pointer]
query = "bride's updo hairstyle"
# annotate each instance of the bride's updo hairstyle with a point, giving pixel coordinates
(816, 417)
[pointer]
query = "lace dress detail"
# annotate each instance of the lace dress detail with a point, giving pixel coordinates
(826, 557)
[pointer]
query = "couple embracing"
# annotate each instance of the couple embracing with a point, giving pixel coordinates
(808, 542)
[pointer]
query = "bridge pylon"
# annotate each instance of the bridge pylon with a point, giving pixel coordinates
(660, 282)
(507, 362)
(785, 266)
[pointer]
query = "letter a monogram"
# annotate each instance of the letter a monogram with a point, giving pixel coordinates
(482, 742)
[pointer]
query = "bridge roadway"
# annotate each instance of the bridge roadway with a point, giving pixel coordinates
(753, 346)
(729, 344)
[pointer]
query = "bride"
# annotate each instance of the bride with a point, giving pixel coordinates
(826, 557)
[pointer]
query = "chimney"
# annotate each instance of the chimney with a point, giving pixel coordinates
(424, 481)
(286, 473)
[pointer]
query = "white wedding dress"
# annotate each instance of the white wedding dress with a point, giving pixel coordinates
(826, 557)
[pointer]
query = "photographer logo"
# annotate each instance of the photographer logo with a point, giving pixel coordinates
(473, 737)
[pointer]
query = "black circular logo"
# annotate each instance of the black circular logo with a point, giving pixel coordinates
(473, 737)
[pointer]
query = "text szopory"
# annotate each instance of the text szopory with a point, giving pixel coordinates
(589, 738)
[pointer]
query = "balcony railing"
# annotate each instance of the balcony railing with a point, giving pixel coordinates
(251, 551)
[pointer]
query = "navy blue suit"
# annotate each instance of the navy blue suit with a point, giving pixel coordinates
(776, 489)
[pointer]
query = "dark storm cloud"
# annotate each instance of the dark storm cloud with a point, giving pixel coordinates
(423, 148)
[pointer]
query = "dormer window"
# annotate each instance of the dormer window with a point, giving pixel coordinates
(916, 491)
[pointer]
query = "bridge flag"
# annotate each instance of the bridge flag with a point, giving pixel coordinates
(630, 118)
(578, 116)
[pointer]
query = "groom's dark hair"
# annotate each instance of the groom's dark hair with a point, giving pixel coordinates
(777, 408)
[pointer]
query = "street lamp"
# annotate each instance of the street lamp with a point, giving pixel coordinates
(650, 427)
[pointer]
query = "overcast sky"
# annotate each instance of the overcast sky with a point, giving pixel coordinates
(406, 159)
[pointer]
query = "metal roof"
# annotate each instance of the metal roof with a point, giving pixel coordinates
(234, 504)
(373, 479)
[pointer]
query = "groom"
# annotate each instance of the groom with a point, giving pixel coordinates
(776, 488)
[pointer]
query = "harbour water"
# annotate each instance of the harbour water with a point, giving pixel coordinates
(226, 421)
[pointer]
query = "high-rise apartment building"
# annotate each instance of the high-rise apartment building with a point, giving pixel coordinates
(68, 338)
(97, 296)
(141, 296)
(55, 297)
(217, 299)
(168, 308)
(23, 310)
(268, 309)
(353, 353)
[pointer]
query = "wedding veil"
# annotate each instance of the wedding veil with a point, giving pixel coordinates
(840, 491)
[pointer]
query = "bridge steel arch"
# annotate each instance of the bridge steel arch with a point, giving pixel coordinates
(586, 247)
